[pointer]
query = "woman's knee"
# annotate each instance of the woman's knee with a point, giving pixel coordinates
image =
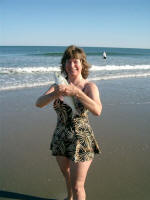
(77, 187)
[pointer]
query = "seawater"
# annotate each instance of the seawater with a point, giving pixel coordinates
(32, 66)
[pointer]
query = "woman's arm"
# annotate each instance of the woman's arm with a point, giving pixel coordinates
(48, 96)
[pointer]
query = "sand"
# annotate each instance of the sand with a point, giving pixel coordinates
(121, 172)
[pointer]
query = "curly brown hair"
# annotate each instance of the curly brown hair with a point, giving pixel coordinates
(75, 52)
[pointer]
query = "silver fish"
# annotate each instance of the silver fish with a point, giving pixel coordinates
(60, 79)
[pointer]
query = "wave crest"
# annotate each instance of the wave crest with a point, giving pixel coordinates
(29, 70)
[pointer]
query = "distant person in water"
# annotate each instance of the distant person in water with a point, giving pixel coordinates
(73, 142)
(104, 55)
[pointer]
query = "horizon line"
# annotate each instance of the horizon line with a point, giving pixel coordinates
(69, 45)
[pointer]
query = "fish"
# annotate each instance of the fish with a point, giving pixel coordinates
(69, 100)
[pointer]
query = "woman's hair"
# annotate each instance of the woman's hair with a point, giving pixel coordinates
(75, 52)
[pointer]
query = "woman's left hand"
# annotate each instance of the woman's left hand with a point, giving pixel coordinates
(70, 90)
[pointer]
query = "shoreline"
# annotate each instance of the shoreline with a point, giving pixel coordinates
(119, 78)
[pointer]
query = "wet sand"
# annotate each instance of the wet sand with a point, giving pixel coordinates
(121, 172)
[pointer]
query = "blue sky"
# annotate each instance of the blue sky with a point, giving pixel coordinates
(103, 23)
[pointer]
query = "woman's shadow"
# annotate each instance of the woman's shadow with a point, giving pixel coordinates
(14, 195)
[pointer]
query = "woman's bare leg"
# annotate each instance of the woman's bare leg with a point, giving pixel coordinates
(64, 165)
(78, 173)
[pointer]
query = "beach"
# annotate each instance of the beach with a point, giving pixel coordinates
(120, 172)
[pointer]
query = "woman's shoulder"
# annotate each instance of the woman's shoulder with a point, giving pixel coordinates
(89, 85)
(91, 90)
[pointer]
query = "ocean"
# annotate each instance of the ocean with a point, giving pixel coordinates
(33, 66)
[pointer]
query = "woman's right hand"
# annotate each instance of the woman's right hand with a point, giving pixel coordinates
(55, 91)
(60, 89)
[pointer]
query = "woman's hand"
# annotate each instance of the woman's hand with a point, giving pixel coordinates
(55, 91)
(69, 90)
(60, 89)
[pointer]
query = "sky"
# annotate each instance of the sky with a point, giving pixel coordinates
(99, 23)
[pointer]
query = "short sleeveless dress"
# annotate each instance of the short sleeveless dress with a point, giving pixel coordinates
(73, 136)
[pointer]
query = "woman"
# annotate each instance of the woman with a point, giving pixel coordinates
(73, 142)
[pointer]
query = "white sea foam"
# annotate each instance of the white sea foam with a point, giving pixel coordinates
(123, 67)
(30, 85)
(42, 69)
(120, 76)
(99, 78)
(28, 70)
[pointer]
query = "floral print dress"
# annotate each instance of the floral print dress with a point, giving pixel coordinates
(73, 136)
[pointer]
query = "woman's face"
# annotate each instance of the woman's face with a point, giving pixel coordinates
(73, 67)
